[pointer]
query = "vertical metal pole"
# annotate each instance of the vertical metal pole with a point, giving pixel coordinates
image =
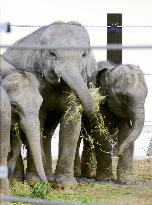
(114, 36)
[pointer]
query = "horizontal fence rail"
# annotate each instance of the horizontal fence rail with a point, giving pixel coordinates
(82, 180)
(107, 47)
(35, 200)
(93, 26)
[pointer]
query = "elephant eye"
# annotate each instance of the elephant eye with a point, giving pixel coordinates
(84, 54)
(53, 55)
(15, 107)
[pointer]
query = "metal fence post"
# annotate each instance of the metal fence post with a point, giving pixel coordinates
(114, 36)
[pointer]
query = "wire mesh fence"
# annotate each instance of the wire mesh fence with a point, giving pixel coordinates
(101, 47)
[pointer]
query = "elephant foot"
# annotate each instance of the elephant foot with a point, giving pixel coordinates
(18, 176)
(89, 173)
(4, 187)
(65, 183)
(32, 179)
(77, 171)
(4, 202)
(105, 174)
(4, 190)
(49, 176)
(125, 176)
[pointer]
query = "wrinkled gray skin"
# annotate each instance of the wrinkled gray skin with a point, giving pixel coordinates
(5, 125)
(130, 89)
(126, 91)
(23, 91)
(52, 112)
(73, 66)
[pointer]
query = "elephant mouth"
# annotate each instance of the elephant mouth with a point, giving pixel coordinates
(52, 77)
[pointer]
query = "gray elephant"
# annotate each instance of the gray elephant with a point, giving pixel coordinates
(23, 91)
(69, 57)
(126, 90)
(5, 125)
(72, 65)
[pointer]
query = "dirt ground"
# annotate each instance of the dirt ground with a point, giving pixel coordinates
(139, 193)
(142, 170)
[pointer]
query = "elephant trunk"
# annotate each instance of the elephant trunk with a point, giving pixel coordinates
(76, 82)
(32, 130)
(137, 126)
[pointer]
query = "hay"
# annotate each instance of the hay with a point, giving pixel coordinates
(16, 133)
(75, 109)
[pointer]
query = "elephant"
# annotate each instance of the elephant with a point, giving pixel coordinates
(23, 91)
(120, 118)
(60, 69)
(49, 120)
(126, 90)
(69, 57)
(5, 125)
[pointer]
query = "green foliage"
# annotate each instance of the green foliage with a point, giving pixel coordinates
(16, 133)
(42, 133)
(40, 189)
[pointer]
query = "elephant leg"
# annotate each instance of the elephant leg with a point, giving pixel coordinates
(68, 138)
(77, 161)
(4, 183)
(51, 122)
(48, 133)
(5, 125)
(31, 173)
(14, 154)
(125, 162)
(104, 144)
(104, 159)
(19, 169)
(88, 160)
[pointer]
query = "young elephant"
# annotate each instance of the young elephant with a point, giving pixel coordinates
(126, 90)
(72, 63)
(23, 91)
(5, 125)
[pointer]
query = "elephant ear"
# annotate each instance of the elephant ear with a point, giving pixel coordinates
(91, 65)
(34, 62)
(32, 78)
(11, 81)
(105, 65)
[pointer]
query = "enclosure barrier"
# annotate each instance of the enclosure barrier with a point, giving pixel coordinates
(101, 47)
(114, 28)
(36, 200)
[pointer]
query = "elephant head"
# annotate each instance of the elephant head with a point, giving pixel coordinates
(69, 57)
(25, 99)
(126, 90)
